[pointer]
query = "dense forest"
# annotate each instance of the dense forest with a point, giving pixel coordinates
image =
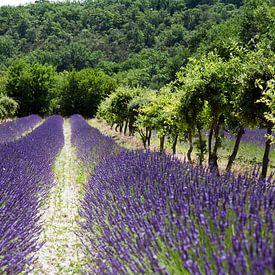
(178, 67)
(139, 40)
(137, 43)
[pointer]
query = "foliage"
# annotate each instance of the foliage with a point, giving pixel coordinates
(256, 22)
(80, 91)
(115, 108)
(123, 106)
(268, 98)
(29, 85)
(160, 113)
(8, 107)
(149, 38)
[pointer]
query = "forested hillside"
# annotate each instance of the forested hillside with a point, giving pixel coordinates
(141, 42)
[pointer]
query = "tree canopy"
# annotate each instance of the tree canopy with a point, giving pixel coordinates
(144, 43)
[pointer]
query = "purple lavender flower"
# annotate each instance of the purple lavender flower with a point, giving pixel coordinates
(144, 211)
(11, 130)
(255, 136)
(25, 179)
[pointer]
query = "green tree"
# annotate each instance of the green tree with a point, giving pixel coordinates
(81, 92)
(29, 84)
(160, 114)
(256, 78)
(256, 20)
(204, 79)
(121, 108)
(8, 107)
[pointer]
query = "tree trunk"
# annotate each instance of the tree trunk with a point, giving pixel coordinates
(144, 142)
(131, 128)
(266, 152)
(189, 152)
(143, 138)
(125, 127)
(235, 150)
(210, 136)
(201, 153)
(214, 155)
(149, 134)
(161, 144)
(174, 145)
(121, 127)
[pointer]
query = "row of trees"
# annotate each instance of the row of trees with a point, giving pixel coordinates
(210, 94)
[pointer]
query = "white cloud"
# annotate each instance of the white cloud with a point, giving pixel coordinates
(15, 2)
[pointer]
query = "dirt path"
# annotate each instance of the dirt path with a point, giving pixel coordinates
(32, 129)
(61, 253)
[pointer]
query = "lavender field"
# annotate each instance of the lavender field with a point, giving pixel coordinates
(73, 201)
(11, 130)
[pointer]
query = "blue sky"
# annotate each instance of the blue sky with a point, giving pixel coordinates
(15, 2)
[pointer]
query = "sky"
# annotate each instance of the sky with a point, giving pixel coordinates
(15, 2)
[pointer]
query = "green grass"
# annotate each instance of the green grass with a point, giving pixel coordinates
(173, 262)
(248, 156)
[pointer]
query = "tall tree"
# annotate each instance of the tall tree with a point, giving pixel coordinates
(29, 85)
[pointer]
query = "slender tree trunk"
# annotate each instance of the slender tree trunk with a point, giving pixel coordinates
(189, 152)
(131, 128)
(143, 138)
(144, 142)
(161, 144)
(149, 134)
(214, 155)
(201, 153)
(125, 127)
(235, 150)
(121, 127)
(210, 136)
(174, 145)
(266, 152)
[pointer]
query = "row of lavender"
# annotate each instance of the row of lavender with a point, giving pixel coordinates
(25, 179)
(11, 130)
(150, 213)
(92, 146)
(253, 136)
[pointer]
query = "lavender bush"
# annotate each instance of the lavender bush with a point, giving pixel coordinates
(91, 145)
(255, 136)
(146, 212)
(11, 130)
(25, 179)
